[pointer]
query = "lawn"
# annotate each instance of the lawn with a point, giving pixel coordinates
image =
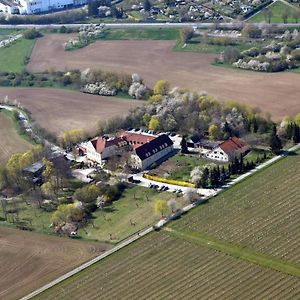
(277, 8)
(185, 164)
(13, 58)
(141, 34)
(136, 206)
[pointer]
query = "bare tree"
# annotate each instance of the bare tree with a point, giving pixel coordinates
(268, 15)
(285, 15)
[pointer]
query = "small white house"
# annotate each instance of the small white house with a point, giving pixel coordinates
(228, 150)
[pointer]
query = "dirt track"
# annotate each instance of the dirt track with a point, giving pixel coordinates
(58, 110)
(28, 260)
(278, 93)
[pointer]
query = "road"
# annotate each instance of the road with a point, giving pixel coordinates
(231, 25)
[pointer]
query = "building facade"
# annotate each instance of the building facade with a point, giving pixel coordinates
(151, 152)
(228, 150)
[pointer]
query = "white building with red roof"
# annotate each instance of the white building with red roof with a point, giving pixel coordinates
(229, 150)
(101, 148)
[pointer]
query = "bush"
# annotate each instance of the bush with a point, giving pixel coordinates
(169, 181)
(31, 34)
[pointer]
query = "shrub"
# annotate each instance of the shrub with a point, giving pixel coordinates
(169, 181)
(31, 34)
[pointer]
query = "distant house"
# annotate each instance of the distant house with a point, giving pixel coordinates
(229, 150)
(151, 152)
(200, 144)
(34, 172)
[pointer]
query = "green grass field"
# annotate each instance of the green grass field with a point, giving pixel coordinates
(137, 205)
(13, 57)
(141, 34)
(277, 9)
(165, 266)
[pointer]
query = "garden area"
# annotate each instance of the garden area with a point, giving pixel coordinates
(278, 12)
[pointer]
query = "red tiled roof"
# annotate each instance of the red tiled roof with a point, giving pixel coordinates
(101, 143)
(136, 139)
(232, 145)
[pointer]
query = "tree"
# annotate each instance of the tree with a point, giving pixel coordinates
(161, 207)
(275, 142)
(231, 54)
(87, 194)
(251, 31)
(93, 8)
(184, 147)
(204, 178)
(48, 171)
(196, 176)
(115, 12)
(146, 119)
(147, 5)
(154, 123)
(67, 213)
(47, 189)
(285, 15)
(297, 119)
(162, 87)
(268, 15)
(186, 34)
(213, 132)
(296, 134)
(296, 15)
(172, 204)
(31, 34)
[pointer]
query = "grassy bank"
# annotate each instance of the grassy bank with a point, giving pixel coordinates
(14, 57)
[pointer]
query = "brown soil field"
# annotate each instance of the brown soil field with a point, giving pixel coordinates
(29, 260)
(10, 141)
(277, 93)
(58, 110)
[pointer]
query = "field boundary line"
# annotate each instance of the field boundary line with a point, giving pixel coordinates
(237, 251)
(88, 264)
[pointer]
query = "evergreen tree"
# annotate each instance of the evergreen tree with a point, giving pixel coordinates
(227, 130)
(147, 5)
(296, 134)
(275, 142)
(184, 147)
(204, 178)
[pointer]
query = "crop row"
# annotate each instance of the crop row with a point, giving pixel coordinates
(260, 213)
(169, 268)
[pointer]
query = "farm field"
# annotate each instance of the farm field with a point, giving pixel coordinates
(10, 141)
(29, 260)
(13, 58)
(261, 213)
(157, 60)
(161, 266)
(277, 8)
(58, 110)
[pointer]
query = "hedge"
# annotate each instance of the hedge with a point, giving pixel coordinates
(169, 181)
